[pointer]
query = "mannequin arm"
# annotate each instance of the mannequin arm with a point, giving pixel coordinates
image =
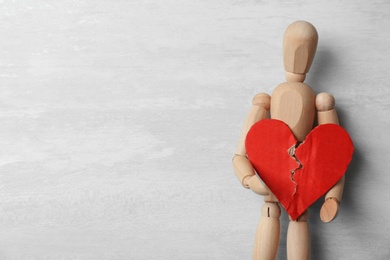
(327, 114)
(242, 167)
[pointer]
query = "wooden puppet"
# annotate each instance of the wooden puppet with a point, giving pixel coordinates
(281, 156)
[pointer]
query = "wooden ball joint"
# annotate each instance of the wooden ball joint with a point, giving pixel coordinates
(294, 103)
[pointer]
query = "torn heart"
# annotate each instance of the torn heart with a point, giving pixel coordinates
(298, 173)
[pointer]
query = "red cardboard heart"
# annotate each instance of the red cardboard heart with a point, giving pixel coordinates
(298, 173)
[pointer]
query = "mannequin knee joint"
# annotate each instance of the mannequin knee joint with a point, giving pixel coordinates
(271, 210)
(302, 218)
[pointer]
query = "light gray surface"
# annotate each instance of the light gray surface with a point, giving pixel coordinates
(119, 120)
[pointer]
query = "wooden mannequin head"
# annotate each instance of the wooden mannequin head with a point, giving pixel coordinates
(299, 48)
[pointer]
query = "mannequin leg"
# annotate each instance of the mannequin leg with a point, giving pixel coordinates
(298, 239)
(268, 232)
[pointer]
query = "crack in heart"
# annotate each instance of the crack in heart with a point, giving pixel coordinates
(291, 152)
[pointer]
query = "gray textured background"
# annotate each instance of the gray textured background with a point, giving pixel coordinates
(119, 120)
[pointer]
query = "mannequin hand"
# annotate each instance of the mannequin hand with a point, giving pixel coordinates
(329, 209)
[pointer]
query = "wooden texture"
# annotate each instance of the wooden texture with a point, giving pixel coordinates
(298, 241)
(327, 114)
(258, 111)
(299, 47)
(292, 102)
(119, 120)
(267, 233)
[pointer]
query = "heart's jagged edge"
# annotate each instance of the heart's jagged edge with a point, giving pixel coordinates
(291, 152)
